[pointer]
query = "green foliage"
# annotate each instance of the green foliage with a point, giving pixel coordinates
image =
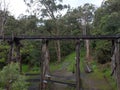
(106, 22)
(107, 18)
(10, 77)
(68, 62)
(110, 24)
(31, 53)
(103, 51)
(101, 73)
(67, 47)
(79, 20)
(4, 48)
(25, 68)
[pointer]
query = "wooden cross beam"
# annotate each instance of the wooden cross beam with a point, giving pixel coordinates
(23, 37)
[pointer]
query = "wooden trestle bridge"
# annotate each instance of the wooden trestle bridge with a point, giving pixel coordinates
(15, 41)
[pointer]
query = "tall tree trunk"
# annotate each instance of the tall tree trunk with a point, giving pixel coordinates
(87, 42)
(8, 86)
(19, 57)
(58, 51)
(2, 28)
(3, 18)
(46, 60)
(58, 48)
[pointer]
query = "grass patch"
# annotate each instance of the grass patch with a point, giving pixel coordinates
(100, 72)
(68, 62)
(103, 72)
(25, 68)
(55, 66)
(34, 69)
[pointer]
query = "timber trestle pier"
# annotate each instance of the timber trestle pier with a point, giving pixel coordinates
(15, 40)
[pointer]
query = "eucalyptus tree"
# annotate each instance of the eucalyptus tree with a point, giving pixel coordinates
(107, 17)
(49, 9)
(88, 17)
(80, 22)
(3, 15)
(73, 22)
(107, 22)
(11, 26)
(29, 24)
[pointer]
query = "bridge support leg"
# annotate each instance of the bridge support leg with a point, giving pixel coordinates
(44, 64)
(78, 78)
(11, 50)
(19, 57)
(117, 46)
(41, 65)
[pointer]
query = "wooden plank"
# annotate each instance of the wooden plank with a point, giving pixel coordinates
(53, 81)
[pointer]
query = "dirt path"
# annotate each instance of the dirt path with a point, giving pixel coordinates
(90, 81)
(65, 76)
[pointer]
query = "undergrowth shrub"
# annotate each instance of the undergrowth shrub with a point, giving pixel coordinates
(11, 78)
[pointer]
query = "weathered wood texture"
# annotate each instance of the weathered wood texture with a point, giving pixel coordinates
(18, 57)
(15, 48)
(44, 63)
(78, 78)
(117, 55)
(104, 37)
(11, 50)
(116, 62)
(113, 59)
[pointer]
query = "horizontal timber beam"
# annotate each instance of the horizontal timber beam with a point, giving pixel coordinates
(23, 37)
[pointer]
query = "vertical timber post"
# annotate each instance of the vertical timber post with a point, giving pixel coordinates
(44, 63)
(10, 54)
(17, 43)
(113, 58)
(78, 79)
(41, 63)
(10, 58)
(117, 46)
